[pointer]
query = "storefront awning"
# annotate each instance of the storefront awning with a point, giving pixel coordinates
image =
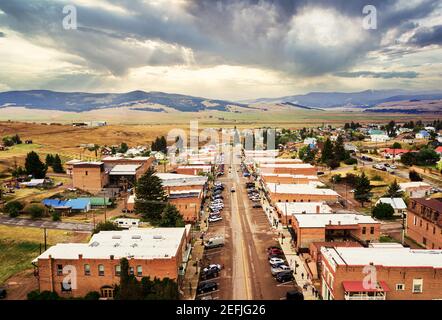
(358, 286)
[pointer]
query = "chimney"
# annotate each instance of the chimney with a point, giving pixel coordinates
(339, 223)
(318, 209)
(80, 256)
(329, 222)
(112, 257)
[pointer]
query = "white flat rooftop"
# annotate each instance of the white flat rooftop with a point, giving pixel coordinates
(124, 169)
(299, 189)
(314, 220)
(291, 208)
(396, 203)
(287, 165)
(275, 160)
(387, 257)
(139, 243)
(175, 179)
(289, 175)
(413, 184)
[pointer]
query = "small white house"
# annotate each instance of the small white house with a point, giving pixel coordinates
(379, 137)
(310, 141)
(398, 205)
(127, 223)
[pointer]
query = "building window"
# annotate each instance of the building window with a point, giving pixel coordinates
(59, 269)
(434, 230)
(131, 271)
(427, 227)
(417, 285)
(101, 270)
(414, 220)
(117, 270)
(364, 230)
(420, 223)
(87, 270)
(139, 271)
(400, 287)
(424, 241)
(85, 173)
(371, 230)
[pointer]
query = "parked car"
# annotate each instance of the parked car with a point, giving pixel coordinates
(279, 268)
(215, 219)
(273, 247)
(232, 189)
(214, 266)
(285, 276)
(209, 274)
(257, 205)
(214, 243)
(207, 287)
(275, 260)
(274, 250)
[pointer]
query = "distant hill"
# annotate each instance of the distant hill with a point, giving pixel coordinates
(80, 101)
(362, 99)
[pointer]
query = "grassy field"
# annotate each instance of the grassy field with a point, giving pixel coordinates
(20, 245)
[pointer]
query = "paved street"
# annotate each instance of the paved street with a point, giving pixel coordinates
(86, 227)
(246, 273)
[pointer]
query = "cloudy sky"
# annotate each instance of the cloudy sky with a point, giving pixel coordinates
(230, 49)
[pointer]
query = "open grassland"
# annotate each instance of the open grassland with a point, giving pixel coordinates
(20, 245)
(253, 117)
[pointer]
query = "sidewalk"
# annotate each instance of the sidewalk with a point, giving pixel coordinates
(294, 261)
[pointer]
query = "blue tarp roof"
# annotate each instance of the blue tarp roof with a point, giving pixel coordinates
(79, 204)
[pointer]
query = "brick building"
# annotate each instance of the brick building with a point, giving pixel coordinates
(95, 266)
(310, 228)
(290, 168)
(394, 273)
(300, 193)
(424, 222)
(89, 176)
(194, 169)
(286, 210)
(286, 178)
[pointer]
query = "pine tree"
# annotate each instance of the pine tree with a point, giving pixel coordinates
(150, 197)
(394, 190)
(327, 151)
(339, 150)
(49, 160)
(171, 217)
(56, 164)
(34, 166)
(362, 189)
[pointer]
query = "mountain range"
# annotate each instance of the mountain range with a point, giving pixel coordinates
(368, 100)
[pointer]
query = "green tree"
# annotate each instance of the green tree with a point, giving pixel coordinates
(327, 151)
(150, 197)
(339, 150)
(56, 216)
(34, 166)
(383, 211)
(129, 288)
(396, 145)
(44, 295)
(394, 190)
(36, 211)
(13, 208)
(56, 164)
(362, 192)
(49, 160)
(105, 226)
(414, 176)
(93, 295)
(171, 217)
(123, 147)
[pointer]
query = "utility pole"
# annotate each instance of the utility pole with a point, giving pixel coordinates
(45, 237)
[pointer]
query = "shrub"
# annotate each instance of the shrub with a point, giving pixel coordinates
(56, 216)
(36, 211)
(383, 211)
(105, 226)
(13, 208)
(93, 295)
(376, 178)
(351, 161)
(414, 176)
(44, 295)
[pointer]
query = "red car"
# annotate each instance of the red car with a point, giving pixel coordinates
(274, 251)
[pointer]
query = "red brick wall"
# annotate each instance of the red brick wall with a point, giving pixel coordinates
(424, 229)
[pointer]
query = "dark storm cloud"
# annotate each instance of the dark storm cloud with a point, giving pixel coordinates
(239, 32)
(383, 75)
(427, 36)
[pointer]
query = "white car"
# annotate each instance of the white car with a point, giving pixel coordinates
(216, 267)
(277, 269)
(215, 219)
(274, 261)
